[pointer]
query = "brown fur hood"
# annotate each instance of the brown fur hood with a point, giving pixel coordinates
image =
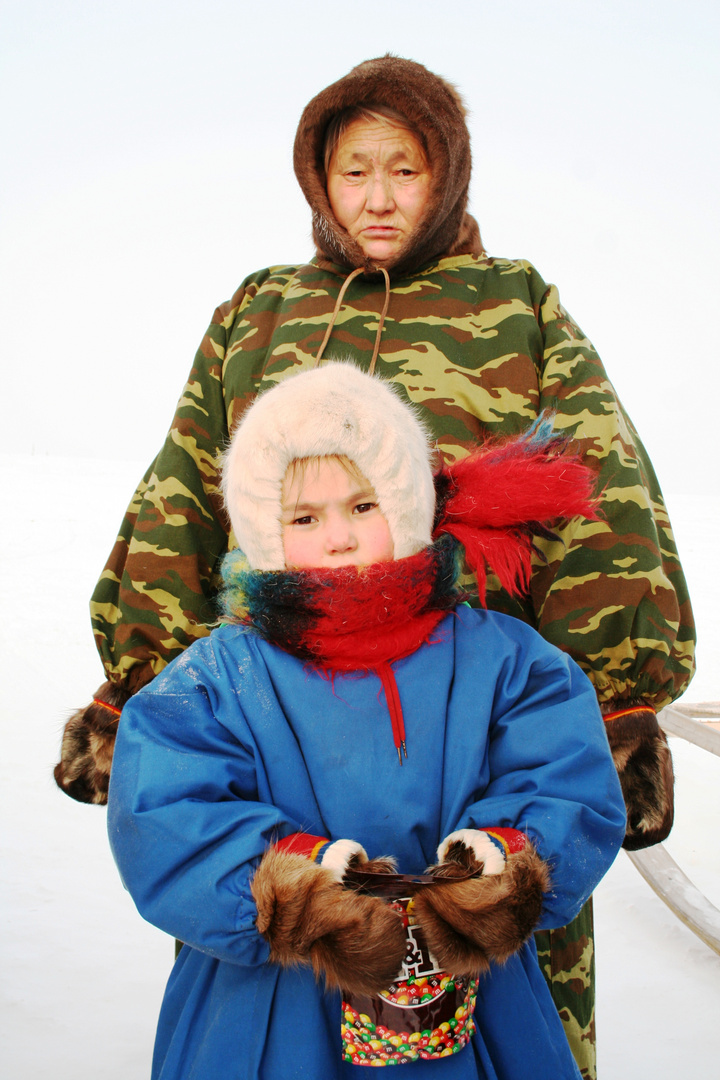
(435, 108)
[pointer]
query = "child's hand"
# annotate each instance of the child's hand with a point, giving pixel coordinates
(472, 922)
(356, 942)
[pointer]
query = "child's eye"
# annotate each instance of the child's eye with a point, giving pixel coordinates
(362, 508)
(307, 519)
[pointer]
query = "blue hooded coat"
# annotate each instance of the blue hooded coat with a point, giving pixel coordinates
(238, 743)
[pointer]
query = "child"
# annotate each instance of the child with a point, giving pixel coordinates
(352, 709)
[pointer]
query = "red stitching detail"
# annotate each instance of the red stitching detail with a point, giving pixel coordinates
(110, 708)
(626, 712)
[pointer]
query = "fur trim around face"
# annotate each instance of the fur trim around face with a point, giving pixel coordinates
(435, 108)
(334, 409)
(356, 942)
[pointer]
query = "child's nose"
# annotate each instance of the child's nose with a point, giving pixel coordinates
(340, 536)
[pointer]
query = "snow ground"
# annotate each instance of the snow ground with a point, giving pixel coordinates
(84, 975)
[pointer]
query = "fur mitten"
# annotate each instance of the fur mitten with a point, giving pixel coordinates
(642, 758)
(357, 942)
(472, 922)
(83, 771)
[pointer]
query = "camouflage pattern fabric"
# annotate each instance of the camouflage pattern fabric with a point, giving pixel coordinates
(567, 960)
(480, 345)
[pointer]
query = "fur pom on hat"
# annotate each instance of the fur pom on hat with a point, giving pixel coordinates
(332, 410)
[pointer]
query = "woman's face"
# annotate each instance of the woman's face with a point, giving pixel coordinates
(378, 185)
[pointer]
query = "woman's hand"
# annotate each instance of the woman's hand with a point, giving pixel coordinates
(642, 758)
(83, 771)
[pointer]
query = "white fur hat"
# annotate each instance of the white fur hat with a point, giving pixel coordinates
(334, 409)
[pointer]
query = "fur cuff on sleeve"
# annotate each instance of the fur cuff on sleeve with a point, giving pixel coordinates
(485, 849)
(356, 942)
(642, 758)
(83, 771)
(338, 857)
(469, 924)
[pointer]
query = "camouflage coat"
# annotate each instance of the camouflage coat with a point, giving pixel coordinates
(481, 345)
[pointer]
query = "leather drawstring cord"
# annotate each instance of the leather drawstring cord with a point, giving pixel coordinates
(338, 302)
(392, 697)
(376, 350)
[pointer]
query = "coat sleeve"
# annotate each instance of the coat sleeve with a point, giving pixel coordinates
(612, 593)
(551, 774)
(156, 593)
(186, 827)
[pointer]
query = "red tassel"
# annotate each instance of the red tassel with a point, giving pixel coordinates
(392, 697)
(502, 496)
(495, 489)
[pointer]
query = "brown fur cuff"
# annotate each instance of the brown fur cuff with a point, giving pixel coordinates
(642, 758)
(83, 771)
(469, 924)
(356, 942)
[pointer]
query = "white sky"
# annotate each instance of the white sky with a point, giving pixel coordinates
(149, 171)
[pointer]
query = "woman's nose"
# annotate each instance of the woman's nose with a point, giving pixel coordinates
(379, 194)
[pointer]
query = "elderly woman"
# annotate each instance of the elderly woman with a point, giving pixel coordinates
(400, 283)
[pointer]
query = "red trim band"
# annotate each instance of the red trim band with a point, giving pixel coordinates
(110, 708)
(626, 712)
(299, 843)
(512, 840)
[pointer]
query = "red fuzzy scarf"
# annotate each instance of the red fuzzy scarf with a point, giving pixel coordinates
(349, 619)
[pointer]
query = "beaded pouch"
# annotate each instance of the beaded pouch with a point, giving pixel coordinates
(426, 1013)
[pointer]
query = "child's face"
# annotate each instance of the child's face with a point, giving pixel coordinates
(330, 517)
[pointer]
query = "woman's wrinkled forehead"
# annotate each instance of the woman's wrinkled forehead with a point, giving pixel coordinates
(375, 114)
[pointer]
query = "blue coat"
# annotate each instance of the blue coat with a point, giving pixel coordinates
(237, 743)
